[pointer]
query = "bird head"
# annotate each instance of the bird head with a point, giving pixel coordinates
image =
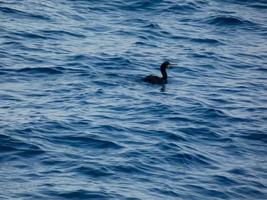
(166, 65)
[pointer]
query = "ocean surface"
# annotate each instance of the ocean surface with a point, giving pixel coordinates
(78, 122)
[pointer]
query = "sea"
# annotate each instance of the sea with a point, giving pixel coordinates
(77, 121)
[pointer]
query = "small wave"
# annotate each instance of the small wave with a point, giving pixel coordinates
(31, 35)
(41, 70)
(57, 33)
(19, 13)
(166, 192)
(206, 41)
(79, 57)
(261, 69)
(207, 191)
(224, 180)
(145, 44)
(227, 21)
(88, 141)
(152, 26)
(239, 171)
(168, 146)
(82, 194)
(137, 169)
(210, 113)
(93, 171)
(141, 5)
(258, 5)
(10, 144)
(9, 97)
(170, 136)
(98, 29)
(185, 8)
(137, 21)
(250, 190)
(215, 113)
(201, 133)
(189, 159)
(109, 128)
(256, 136)
(107, 61)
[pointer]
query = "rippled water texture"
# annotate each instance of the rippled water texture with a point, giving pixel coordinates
(78, 122)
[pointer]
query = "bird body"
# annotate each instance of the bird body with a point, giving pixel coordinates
(155, 79)
(159, 80)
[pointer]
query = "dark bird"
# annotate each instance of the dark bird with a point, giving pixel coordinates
(160, 80)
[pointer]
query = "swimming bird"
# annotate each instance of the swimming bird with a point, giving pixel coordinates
(160, 80)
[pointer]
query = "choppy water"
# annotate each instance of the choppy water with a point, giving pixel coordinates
(78, 122)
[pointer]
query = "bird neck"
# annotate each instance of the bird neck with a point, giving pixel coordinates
(164, 73)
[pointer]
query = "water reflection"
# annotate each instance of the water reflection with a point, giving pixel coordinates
(163, 88)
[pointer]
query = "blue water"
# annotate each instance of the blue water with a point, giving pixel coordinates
(78, 122)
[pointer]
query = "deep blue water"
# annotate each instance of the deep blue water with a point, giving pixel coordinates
(78, 122)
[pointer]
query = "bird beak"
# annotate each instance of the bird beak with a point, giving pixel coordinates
(172, 65)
